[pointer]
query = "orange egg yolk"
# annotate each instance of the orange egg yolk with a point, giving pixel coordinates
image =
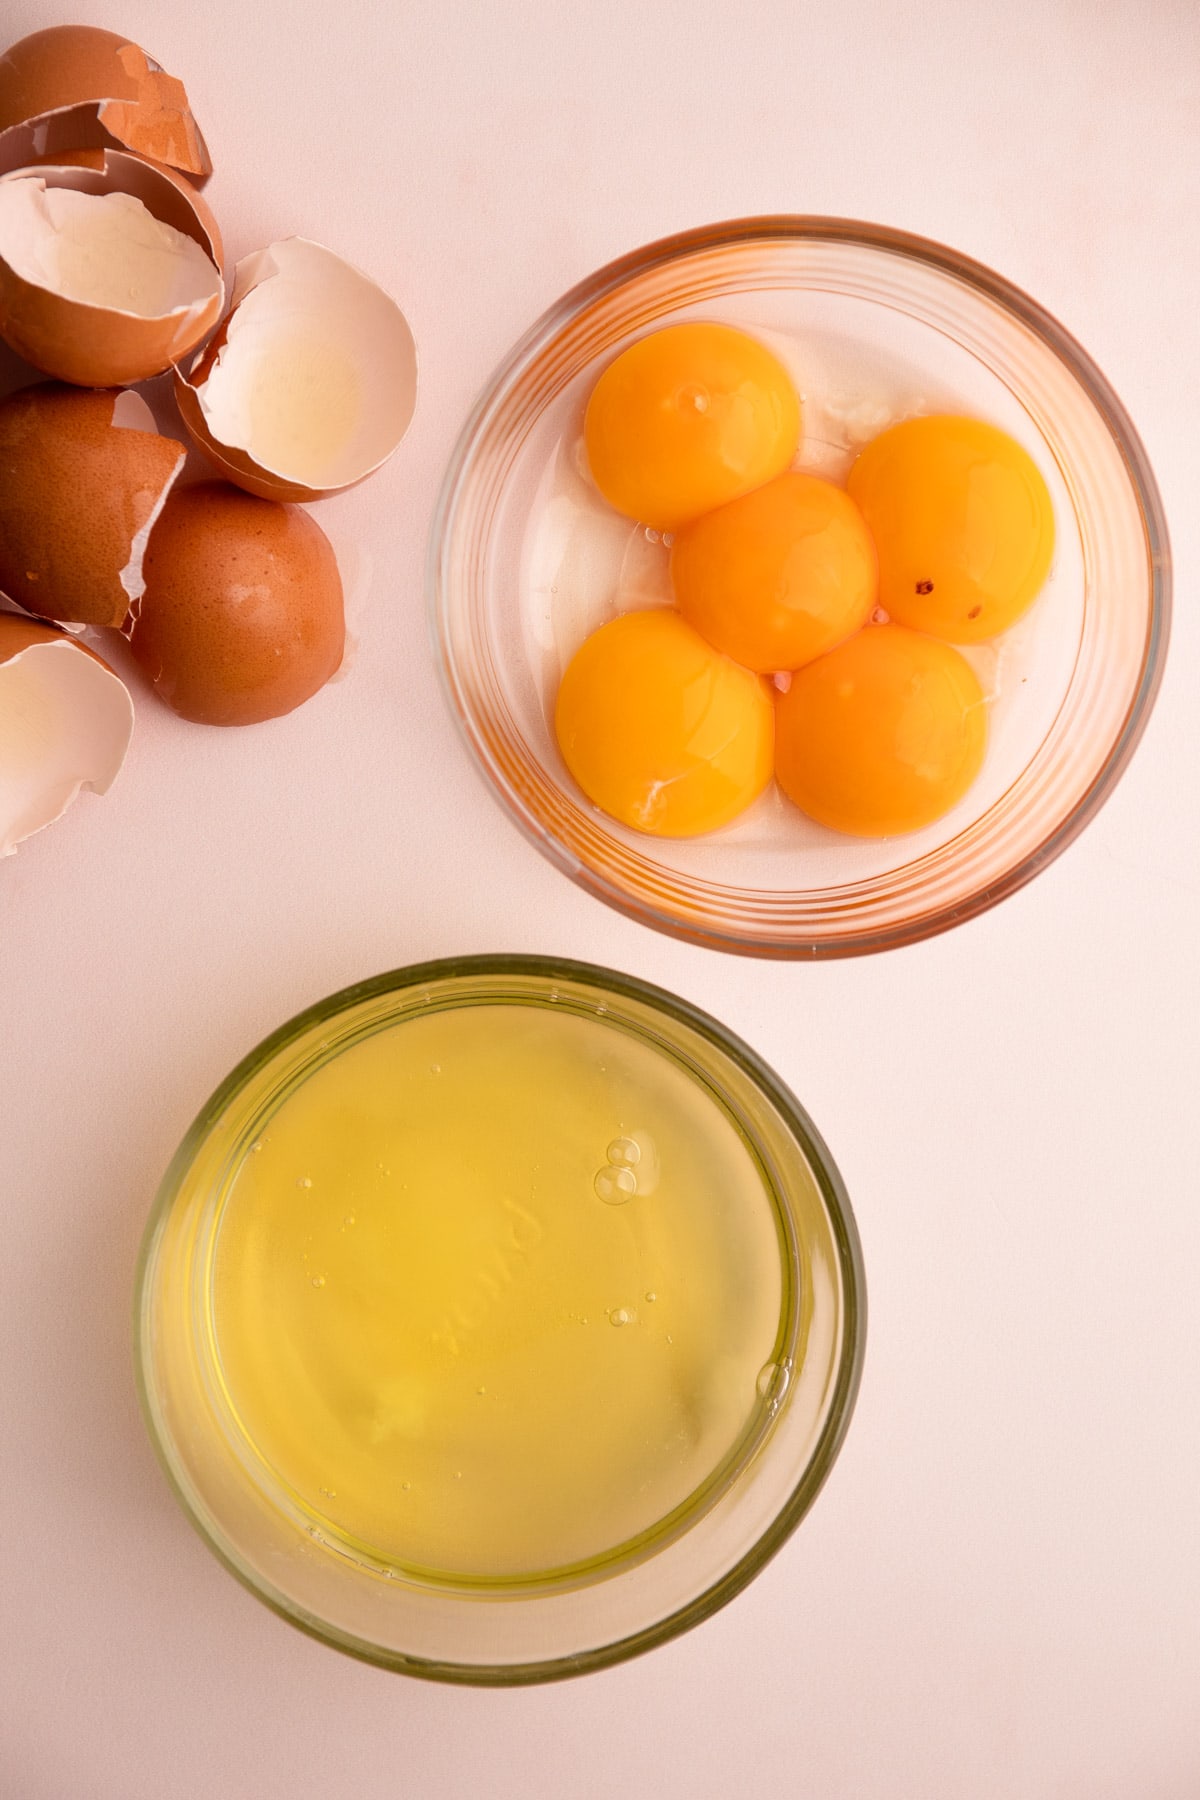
(883, 735)
(660, 730)
(687, 419)
(779, 576)
(963, 522)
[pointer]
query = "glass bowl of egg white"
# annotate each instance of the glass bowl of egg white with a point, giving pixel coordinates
(800, 586)
(499, 1318)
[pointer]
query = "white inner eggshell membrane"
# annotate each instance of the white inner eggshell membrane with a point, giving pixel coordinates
(316, 379)
(65, 723)
(103, 250)
(131, 413)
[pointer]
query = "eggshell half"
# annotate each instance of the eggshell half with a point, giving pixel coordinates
(83, 476)
(75, 85)
(65, 724)
(179, 202)
(242, 618)
(311, 381)
(109, 267)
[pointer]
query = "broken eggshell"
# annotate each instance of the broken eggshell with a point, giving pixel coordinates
(310, 383)
(186, 209)
(65, 724)
(109, 267)
(83, 477)
(75, 85)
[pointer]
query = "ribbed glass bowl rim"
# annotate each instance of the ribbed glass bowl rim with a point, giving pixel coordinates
(850, 1265)
(944, 260)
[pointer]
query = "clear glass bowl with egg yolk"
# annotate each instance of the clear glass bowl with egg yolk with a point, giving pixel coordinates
(498, 1319)
(527, 561)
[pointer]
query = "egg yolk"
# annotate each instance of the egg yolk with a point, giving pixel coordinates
(660, 730)
(779, 576)
(963, 523)
(883, 735)
(689, 418)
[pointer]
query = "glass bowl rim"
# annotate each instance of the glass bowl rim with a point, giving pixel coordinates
(946, 262)
(844, 1230)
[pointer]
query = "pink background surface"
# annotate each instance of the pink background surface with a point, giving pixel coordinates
(998, 1593)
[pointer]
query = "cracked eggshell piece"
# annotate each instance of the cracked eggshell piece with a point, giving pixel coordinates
(163, 191)
(109, 267)
(76, 85)
(65, 724)
(242, 618)
(310, 383)
(83, 477)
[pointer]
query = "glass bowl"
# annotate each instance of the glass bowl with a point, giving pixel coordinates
(525, 560)
(509, 1631)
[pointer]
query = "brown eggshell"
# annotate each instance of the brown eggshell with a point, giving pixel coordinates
(78, 494)
(234, 465)
(188, 212)
(17, 633)
(296, 280)
(101, 346)
(242, 617)
(68, 721)
(111, 86)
